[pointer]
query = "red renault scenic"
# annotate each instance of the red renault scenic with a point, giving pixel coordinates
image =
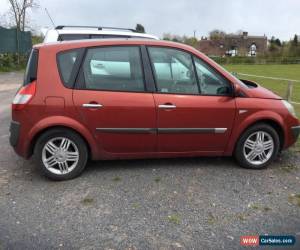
(113, 99)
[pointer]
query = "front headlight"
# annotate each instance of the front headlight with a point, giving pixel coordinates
(289, 107)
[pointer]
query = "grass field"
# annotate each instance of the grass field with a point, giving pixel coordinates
(289, 71)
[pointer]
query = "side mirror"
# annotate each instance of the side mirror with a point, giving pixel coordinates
(238, 91)
(224, 90)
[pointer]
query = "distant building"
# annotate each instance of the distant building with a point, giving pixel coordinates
(234, 45)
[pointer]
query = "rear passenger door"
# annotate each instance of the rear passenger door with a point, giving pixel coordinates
(113, 102)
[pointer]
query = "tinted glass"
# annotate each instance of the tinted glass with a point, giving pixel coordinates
(108, 36)
(67, 37)
(113, 68)
(211, 82)
(66, 61)
(31, 68)
(173, 70)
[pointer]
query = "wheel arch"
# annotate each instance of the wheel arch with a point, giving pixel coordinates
(272, 123)
(277, 123)
(68, 124)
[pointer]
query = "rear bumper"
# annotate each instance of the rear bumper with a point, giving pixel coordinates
(296, 132)
(14, 130)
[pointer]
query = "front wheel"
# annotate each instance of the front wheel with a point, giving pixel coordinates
(257, 147)
(62, 154)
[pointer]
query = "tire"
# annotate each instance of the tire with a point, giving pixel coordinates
(244, 154)
(66, 159)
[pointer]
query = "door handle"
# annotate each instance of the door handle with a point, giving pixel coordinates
(167, 106)
(92, 105)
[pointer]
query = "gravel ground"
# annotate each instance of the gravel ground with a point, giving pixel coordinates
(196, 203)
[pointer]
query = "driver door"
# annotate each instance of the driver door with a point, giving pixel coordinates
(189, 119)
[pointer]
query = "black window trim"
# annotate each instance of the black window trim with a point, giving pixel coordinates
(196, 75)
(148, 72)
(32, 64)
(80, 81)
(71, 83)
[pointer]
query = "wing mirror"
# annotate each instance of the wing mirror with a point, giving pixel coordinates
(238, 91)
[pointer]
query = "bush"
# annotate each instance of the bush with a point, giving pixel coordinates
(9, 62)
(257, 60)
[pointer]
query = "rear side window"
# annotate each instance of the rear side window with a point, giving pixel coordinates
(31, 68)
(66, 62)
(113, 68)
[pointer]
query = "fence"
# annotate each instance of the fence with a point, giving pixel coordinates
(9, 44)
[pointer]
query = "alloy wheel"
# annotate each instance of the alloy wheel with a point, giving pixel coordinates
(60, 155)
(258, 148)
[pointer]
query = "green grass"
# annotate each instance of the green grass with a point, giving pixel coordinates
(87, 201)
(157, 179)
(117, 178)
(294, 199)
(174, 218)
(287, 71)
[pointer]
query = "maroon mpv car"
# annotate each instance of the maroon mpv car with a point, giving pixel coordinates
(113, 99)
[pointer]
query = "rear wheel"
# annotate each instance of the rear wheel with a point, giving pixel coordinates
(257, 147)
(62, 154)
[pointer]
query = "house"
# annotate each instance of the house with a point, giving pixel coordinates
(234, 45)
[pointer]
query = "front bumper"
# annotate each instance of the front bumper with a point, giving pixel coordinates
(296, 131)
(14, 133)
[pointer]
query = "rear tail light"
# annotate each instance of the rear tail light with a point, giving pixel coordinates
(23, 96)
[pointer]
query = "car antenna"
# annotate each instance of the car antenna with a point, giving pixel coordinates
(47, 12)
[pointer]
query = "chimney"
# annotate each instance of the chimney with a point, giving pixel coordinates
(245, 33)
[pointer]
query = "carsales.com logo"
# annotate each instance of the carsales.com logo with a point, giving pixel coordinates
(261, 240)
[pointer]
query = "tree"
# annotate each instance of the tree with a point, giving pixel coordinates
(295, 41)
(192, 41)
(140, 28)
(216, 34)
(278, 42)
(274, 45)
(18, 9)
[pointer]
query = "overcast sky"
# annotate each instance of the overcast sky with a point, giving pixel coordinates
(279, 18)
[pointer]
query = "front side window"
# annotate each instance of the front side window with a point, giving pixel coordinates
(173, 70)
(211, 83)
(113, 68)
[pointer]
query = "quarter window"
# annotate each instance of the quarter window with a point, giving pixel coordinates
(211, 82)
(173, 70)
(113, 68)
(66, 61)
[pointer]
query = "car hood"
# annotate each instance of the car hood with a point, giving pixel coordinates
(256, 91)
(260, 92)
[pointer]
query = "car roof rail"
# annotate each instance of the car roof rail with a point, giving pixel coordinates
(60, 27)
